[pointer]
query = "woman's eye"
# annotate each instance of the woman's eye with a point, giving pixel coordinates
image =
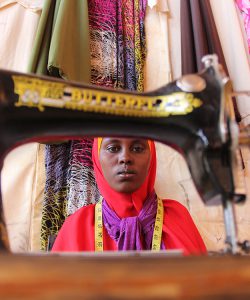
(138, 149)
(113, 149)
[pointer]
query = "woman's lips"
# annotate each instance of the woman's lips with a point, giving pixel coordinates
(126, 174)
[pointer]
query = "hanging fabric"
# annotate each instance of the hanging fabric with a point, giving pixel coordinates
(235, 51)
(33, 5)
(54, 209)
(158, 67)
(81, 185)
(244, 7)
(62, 42)
(117, 40)
(198, 35)
(19, 19)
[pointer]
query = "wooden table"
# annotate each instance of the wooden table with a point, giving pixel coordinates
(106, 277)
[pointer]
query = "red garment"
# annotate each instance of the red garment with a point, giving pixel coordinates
(179, 230)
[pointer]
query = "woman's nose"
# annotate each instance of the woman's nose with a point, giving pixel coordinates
(125, 157)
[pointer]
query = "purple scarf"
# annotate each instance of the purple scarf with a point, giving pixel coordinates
(132, 233)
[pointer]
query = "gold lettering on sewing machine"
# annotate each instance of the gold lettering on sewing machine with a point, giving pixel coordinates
(41, 93)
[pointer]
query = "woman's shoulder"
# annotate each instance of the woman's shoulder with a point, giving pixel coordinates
(174, 205)
(176, 211)
(84, 209)
(81, 214)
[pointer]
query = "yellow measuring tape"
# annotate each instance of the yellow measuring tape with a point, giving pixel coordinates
(156, 241)
(98, 226)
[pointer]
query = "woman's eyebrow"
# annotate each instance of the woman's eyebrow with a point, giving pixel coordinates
(108, 141)
(117, 140)
(139, 141)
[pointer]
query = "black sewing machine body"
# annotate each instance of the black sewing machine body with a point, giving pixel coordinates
(189, 114)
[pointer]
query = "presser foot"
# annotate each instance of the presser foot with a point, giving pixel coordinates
(244, 246)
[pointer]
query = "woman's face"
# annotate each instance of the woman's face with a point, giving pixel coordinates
(125, 162)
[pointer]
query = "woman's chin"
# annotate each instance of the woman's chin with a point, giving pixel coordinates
(126, 188)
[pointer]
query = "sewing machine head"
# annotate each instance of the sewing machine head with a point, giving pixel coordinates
(193, 114)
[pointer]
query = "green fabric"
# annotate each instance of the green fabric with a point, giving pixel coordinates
(62, 42)
(61, 49)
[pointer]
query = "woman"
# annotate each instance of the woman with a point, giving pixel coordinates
(129, 215)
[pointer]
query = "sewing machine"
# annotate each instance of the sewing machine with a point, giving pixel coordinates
(193, 114)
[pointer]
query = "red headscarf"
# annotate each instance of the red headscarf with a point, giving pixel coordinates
(125, 205)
